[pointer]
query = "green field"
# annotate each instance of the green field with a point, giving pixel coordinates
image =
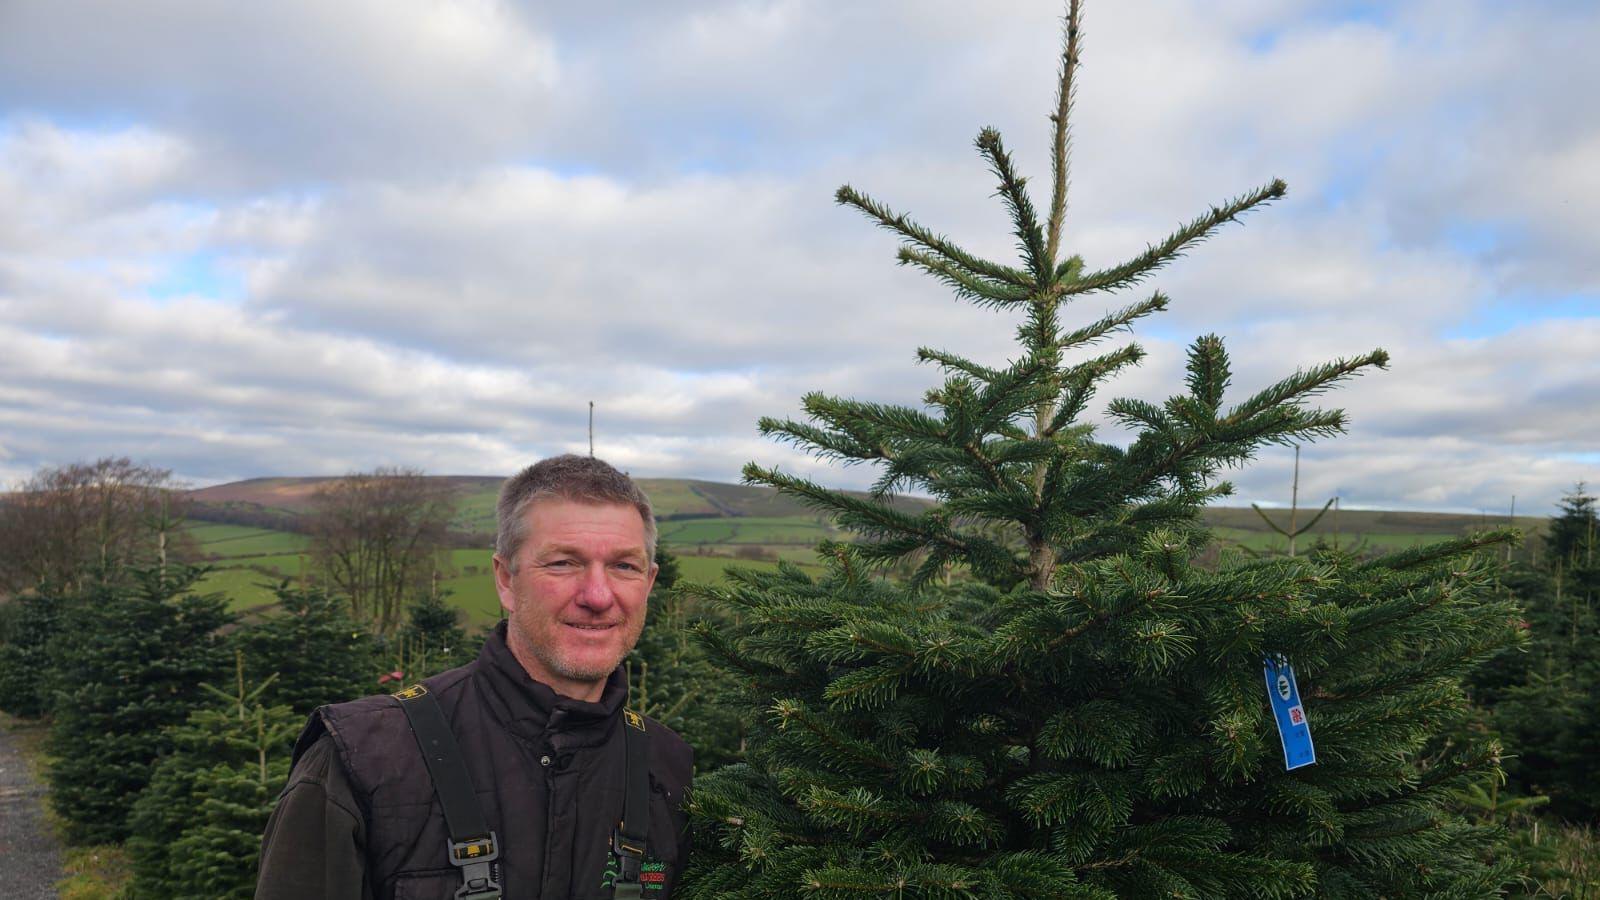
(475, 511)
(710, 527)
(245, 561)
(676, 497)
(243, 588)
(1359, 531)
(671, 498)
(233, 541)
(770, 530)
(713, 569)
(1271, 542)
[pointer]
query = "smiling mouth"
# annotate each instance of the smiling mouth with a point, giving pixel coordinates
(598, 626)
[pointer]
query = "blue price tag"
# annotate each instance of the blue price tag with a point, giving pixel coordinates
(1293, 729)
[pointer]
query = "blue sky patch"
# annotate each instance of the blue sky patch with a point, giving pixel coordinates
(204, 274)
(1511, 312)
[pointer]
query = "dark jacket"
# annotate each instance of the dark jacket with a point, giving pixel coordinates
(359, 819)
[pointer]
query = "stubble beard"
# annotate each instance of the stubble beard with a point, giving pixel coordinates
(552, 659)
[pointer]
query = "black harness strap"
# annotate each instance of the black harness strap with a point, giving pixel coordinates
(472, 846)
(630, 840)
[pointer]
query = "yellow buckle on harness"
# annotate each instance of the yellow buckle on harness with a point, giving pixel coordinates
(480, 848)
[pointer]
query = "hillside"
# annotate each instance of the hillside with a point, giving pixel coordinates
(281, 499)
(678, 499)
(249, 532)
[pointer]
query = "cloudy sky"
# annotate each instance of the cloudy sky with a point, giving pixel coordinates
(303, 237)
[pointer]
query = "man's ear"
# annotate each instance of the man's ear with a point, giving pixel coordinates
(502, 585)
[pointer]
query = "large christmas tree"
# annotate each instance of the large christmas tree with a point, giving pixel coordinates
(1059, 702)
(128, 664)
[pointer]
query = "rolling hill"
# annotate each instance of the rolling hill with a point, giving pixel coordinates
(249, 532)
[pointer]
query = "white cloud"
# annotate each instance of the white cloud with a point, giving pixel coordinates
(289, 91)
(454, 224)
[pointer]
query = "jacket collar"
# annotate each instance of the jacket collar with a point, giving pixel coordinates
(532, 709)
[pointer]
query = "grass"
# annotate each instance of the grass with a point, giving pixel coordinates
(1565, 860)
(30, 736)
(94, 873)
(235, 541)
(1266, 541)
(751, 530)
(672, 497)
(714, 569)
(243, 588)
(475, 511)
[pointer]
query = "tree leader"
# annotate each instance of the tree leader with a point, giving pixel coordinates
(519, 775)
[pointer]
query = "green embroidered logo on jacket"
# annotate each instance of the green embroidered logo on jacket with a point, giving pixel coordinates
(652, 874)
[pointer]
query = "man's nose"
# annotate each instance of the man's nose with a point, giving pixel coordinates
(595, 592)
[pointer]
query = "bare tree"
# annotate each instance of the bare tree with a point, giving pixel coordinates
(378, 537)
(1293, 532)
(65, 522)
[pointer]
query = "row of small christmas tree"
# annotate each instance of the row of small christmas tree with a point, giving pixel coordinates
(172, 721)
(1545, 703)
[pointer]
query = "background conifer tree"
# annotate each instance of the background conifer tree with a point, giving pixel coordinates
(196, 829)
(433, 640)
(311, 648)
(26, 671)
(128, 667)
(1543, 702)
(1573, 542)
(1082, 712)
(672, 680)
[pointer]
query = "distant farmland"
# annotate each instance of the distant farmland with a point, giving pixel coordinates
(709, 526)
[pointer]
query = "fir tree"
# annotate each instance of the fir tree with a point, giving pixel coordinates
(318, 653)
(196, 829)
(671, 679)
(1573, 541)
(667, 569)
(1542, 702)
(26, 672)
(433, 640)
(1082, 712)
(129, 665)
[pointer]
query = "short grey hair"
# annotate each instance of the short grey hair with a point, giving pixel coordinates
(582, 479)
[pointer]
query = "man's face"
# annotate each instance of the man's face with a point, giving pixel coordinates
(576, 600)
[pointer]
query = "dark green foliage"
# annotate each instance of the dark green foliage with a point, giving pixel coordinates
(432, 640)
(128, 665)
(26, 674)
(666, 569)
(1543, 701)
(196, 829)
(1113, 730)
(1573, 541)
(317, 652)
(1057, 703)
(671, 680)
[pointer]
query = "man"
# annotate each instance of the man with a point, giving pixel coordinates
(539, 723)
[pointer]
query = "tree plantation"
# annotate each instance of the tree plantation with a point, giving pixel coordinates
(1027, 663)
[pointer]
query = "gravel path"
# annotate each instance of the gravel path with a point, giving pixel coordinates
(30, 858)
